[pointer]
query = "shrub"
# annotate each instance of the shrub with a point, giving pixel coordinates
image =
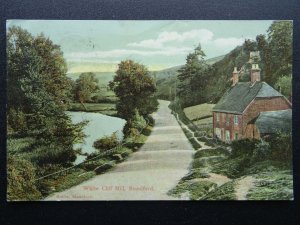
(53, 154)
(107, 142)
(243, 147)
(17, 120)
(104, 167)
(194, 143)
(21, 180)
(93, 164)
(261, 151)
(138, 121)
(281, 147)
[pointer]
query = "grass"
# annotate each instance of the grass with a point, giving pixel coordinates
(272, 186)
(194, 143)
(224, 192)
(196, 189)
(232, 168)
(60, 182)
(104, 108)
(199, 111)
(19, 145)
(219, 151)
(206, 121)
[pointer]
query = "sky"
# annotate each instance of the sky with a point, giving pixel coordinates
(99, 45)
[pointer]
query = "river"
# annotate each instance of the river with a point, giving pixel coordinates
(99, 126)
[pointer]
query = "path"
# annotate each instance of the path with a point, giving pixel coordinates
(243, 186)
(147, 174)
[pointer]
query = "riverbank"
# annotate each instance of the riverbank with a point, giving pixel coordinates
(100, 165)
(147, 174)
(103, 108)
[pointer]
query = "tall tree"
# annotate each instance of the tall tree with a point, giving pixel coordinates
(38, 88)
(192, 78)
(135, 88)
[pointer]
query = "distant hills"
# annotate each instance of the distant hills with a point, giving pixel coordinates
(162, 74)
(103, 77)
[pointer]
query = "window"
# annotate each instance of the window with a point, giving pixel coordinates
(227, 135)
(236, 119)
(218, 117)
(236, 136)
(218, 133)
(227, 119)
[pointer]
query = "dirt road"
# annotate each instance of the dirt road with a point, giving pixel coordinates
(147, 174)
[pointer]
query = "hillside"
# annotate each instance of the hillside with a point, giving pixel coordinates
(103, 77)
(166, 79)
(169, 72)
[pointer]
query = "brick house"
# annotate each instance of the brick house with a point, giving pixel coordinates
(242, 103)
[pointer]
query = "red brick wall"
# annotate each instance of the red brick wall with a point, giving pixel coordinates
(251, 131)
(223, 124)
(258, 105)
(263, 104)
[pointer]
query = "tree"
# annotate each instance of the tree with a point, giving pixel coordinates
(284, 84)
(192, 78)
(276, 51)
(21, 180)
(135, 89)
(40, 55)
(85, 86)
(38, 91)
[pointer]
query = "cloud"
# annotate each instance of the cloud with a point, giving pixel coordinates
(228, 42)
(121, 53)
(201, 35)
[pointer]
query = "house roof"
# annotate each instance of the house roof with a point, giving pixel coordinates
(238, 97)
(273, 121)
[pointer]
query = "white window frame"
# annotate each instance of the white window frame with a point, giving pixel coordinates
(227, 119)
(218, 117)
(227, 135)
(236, 119)
(218, 133)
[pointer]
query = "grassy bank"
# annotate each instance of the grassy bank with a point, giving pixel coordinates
(103, 108)
(25, 149)
(216, 171)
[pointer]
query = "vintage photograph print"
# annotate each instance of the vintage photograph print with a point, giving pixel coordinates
(149, 110)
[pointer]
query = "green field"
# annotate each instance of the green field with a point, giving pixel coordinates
(197, 112)
(206, 121)
(104, 108)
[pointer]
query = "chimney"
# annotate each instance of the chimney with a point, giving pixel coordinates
(255, 73)
(235, 76)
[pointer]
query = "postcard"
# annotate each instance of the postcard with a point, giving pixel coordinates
(149, 110)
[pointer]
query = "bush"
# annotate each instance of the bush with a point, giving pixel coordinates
(281, 147)
(107, 142)
(243, 147)
(138, 121)
(21, 180)
(104, 167)
(52, 154)
(261, 151)
(93, 164)
(194, 143)
(17, 121)
(232, 167)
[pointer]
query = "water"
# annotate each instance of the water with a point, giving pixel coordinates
(99, 126)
